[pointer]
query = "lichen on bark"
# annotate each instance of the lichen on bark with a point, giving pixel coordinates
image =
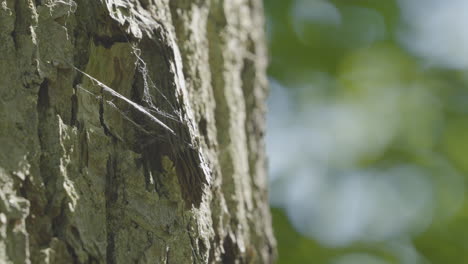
(87, 176)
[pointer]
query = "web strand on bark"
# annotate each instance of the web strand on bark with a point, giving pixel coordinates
(129, 102)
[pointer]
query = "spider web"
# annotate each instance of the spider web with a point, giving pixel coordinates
(129, 102)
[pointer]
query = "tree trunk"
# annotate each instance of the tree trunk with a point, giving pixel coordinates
(132, 132)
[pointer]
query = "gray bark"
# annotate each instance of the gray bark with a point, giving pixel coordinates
(132, 132)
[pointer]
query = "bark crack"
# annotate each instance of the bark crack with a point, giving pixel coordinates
(111, 193)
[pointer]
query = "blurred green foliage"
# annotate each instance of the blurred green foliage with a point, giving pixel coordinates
(295, 248)
(368, 67)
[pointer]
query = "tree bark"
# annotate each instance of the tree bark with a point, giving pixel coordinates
(132, 132)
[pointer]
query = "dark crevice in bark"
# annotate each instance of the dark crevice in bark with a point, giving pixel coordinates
(202, 125)
(43, 105)
(83, 148)
(111, 183)
(108, 41)
(74, 109)
(13, 33)
(44, 112)
(230, 254)
(43, 101)
(111, 193)
(13, 37)
(252, 130)
(110, 251)
(101, 116)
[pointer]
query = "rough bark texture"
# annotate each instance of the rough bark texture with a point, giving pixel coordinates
(89, 176)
